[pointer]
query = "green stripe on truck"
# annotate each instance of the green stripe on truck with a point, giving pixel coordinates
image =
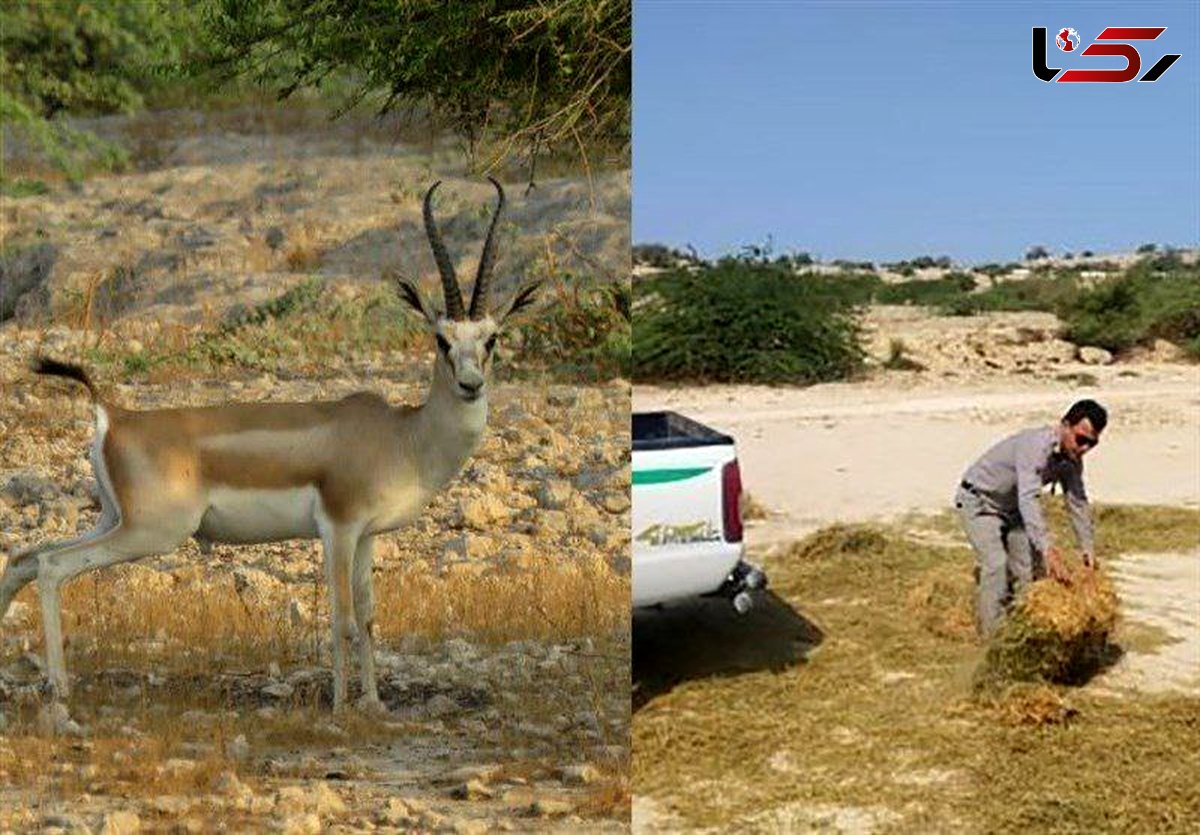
(664, 476)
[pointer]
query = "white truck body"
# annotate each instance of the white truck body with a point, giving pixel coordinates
(687, 530)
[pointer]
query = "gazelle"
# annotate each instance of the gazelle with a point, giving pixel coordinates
(344, 471)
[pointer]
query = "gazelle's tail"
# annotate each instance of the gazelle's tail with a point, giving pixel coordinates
(45, 365)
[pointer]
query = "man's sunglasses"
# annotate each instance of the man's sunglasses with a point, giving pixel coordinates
(1085, 440)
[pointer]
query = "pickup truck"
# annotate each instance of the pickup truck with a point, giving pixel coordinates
(687, 517)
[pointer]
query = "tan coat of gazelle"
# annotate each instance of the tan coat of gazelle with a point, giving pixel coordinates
(342, 471)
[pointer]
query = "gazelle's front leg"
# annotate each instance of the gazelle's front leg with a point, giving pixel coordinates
(364, 618)
(340, 542)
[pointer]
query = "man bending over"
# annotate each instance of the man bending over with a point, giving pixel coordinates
(998, 503)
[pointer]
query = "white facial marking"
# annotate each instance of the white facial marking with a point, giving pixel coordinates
(464, 347)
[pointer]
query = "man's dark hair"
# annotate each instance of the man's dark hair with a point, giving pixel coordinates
(1089, 409)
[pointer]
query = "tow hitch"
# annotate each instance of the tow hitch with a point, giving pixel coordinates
(745, 579)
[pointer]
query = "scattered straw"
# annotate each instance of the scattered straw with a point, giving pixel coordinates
(1026, 704)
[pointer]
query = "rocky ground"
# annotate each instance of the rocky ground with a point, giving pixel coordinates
(1023, 344)
(546, 493)
(226, 214)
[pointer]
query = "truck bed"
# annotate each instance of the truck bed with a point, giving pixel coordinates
(670, 430)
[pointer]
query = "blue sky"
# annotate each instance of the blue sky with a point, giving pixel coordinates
(883, 130)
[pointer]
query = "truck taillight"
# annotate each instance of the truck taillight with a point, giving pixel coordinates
(731, 500)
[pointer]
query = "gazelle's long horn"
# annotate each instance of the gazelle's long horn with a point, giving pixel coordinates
(450, 289)
(487, 262)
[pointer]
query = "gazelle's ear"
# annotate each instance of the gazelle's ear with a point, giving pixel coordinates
(411, 296)
(523, 299)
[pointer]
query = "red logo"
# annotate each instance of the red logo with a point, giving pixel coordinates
(1068, 39)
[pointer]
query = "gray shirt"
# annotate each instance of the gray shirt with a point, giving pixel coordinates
(1012, 473)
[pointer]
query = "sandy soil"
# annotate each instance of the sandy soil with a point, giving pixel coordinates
(895, 444)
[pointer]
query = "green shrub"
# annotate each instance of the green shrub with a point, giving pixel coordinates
(1137, 307)
(583, 335)
(1041, 292)
(72, 58)
(23, 187)
(936, 291)
(742, 321)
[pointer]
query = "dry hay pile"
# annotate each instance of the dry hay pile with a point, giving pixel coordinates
(839, 540)
(1057, 632)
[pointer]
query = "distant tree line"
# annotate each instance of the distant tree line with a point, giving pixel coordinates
(522, 75)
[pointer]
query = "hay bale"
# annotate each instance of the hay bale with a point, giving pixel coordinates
(1056, 632)
(839, 540)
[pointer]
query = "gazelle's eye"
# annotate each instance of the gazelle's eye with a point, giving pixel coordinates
(490, 344)
(443, 345)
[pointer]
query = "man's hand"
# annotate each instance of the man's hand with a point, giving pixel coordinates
(1054, 565)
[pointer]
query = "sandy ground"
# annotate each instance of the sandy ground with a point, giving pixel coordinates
(1163, 591)
(892, 445)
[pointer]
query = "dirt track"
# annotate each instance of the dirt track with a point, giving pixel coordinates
(855, 451)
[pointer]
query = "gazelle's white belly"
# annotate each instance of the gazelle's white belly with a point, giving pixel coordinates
(246, 516)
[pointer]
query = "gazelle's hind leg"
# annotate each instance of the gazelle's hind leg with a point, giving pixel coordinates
(22, 566)
(56, 566)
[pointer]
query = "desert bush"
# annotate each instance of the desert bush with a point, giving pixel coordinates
(660, 255)
(744, 321)
(933, 292)
(582, 334)
(76, 58)
(1042, 292)
(1137, 307)
(536, 73)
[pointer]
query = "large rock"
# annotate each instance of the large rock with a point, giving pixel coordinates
(1090, 355)
(482, 513)
(23, 271)
(1164, 351)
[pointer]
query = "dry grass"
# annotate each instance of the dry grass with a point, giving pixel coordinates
(1025, 704)
(555, 603)
(753, 509)
(202, 641)
(192, 619)
(305, 252)
(881, 714)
